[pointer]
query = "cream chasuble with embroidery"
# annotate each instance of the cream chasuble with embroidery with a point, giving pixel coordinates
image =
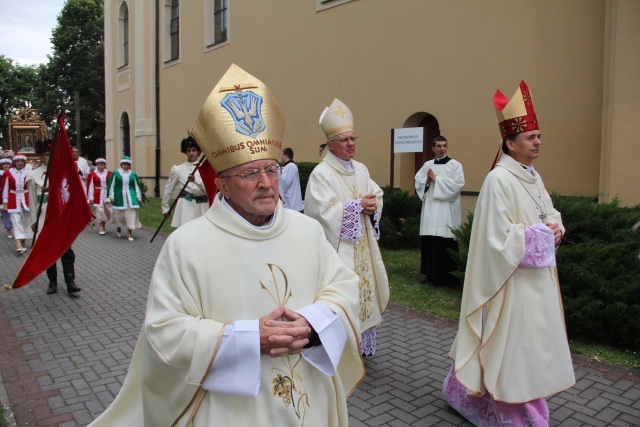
(329, 186)
(520, 351)
(215, 270)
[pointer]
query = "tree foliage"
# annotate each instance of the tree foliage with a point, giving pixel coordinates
(18, 85)
(77, 64)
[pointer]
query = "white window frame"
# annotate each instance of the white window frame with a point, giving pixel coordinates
(166, 31)
(124, 39)
(210, 25)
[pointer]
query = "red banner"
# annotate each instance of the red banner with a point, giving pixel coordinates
(67, 212)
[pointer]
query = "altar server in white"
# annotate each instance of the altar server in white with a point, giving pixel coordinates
(251, 317)
(193, 203)
(511, 350)
(345, 200)
(438, 184)
(289, 182)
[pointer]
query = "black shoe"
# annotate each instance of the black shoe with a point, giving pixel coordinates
(72, 288)
(52, 289)
(70, 277)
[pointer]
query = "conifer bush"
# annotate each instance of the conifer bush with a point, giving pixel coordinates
(304, 170)
(599, 270)
(400, 222)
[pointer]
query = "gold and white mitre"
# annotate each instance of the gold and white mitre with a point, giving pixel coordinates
(336, 118)
(239, 122)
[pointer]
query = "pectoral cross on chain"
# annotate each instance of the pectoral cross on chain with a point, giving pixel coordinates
(543, 214)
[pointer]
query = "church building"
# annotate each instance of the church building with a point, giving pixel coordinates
(414, 63)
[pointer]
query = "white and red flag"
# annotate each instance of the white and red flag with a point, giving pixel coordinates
(67, 211)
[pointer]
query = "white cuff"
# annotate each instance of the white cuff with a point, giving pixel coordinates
(236, 368)
(331, 332)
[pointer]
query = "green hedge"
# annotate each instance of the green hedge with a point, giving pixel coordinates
(599, 270)
(400, 222)
(304, 170)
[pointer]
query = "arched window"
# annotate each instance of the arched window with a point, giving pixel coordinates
(125, 131)
(123, 35)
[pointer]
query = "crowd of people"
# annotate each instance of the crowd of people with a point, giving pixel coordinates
(24, 194)
(260, 294)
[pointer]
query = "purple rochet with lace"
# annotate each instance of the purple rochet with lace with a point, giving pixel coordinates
(484, 411)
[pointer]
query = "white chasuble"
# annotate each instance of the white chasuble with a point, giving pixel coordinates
(330, 185)
(519, 351)
(213, 271)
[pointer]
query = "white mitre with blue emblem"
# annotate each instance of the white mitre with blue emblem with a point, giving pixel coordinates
(239, 122)
(336, 118)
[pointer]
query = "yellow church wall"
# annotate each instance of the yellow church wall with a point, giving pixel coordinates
(390, 60)
(619, 174)
(387, 61)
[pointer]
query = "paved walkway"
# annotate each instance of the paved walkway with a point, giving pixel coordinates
(63, 359)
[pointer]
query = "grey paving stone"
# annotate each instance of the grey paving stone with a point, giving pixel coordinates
(79, 349)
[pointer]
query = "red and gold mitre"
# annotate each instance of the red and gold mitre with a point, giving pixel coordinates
(517, 114)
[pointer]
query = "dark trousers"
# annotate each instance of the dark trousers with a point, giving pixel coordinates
(436, 263)
(67, 258)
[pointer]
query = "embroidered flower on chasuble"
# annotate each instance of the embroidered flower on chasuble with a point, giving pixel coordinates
(287, 383)
(282, 388)
(364, 269)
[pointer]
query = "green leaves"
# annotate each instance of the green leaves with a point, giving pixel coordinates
(77, 64)
(18, 85)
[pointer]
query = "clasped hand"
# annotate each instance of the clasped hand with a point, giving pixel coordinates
(557, 232)
(283, 332)
(369, 204)
(431, 176)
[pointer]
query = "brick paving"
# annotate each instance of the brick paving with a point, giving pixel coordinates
(63, 359)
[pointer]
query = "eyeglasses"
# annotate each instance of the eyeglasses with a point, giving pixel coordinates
(346, 139)
(253, 175)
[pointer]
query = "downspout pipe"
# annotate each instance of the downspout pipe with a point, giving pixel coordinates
(156, 189)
